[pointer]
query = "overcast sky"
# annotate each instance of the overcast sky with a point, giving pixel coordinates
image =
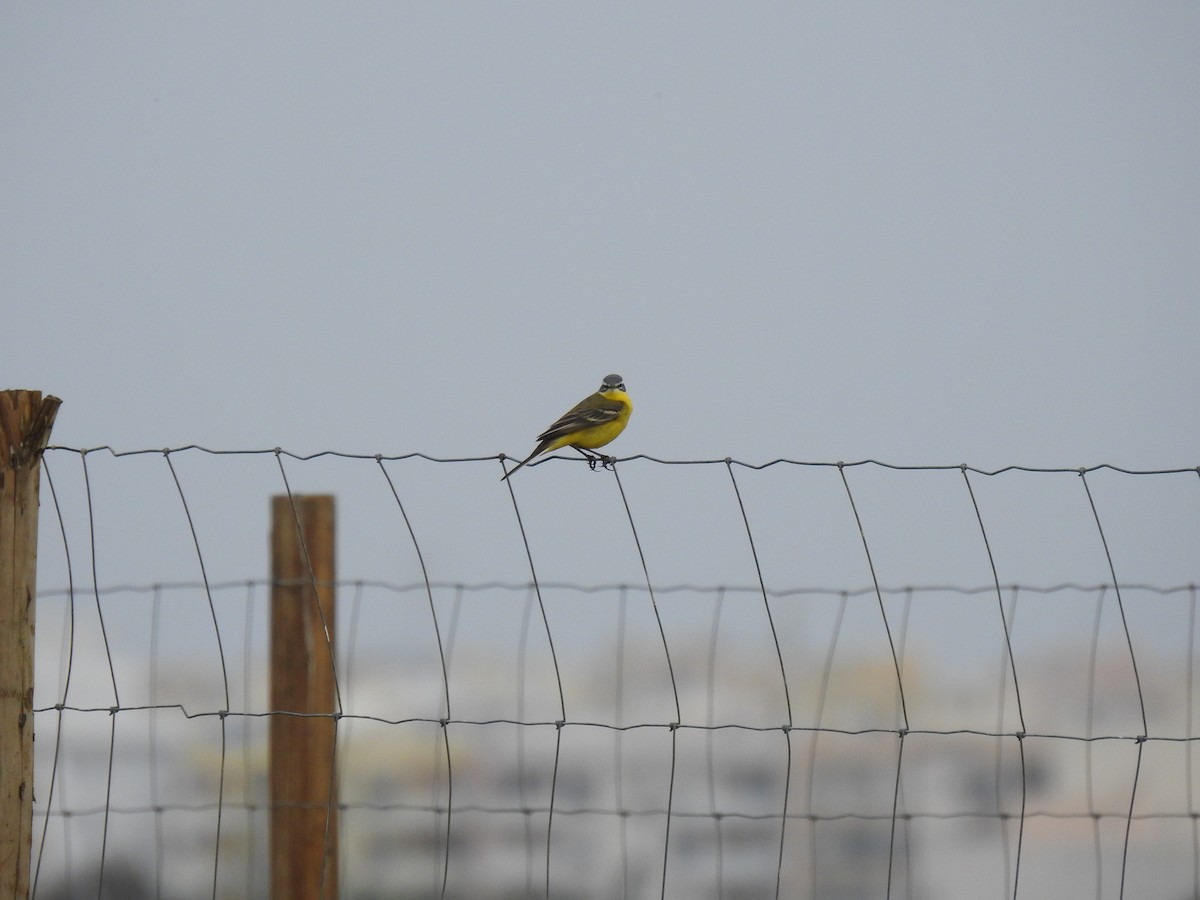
(920, 233)
(925, 235)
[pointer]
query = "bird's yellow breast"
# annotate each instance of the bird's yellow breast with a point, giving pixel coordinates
(599, 435)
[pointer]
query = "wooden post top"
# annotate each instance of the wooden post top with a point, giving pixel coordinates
(26, 418)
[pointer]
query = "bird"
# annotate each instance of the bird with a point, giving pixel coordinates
(592, 422)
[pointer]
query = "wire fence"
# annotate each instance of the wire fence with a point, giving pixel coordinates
(670, 678)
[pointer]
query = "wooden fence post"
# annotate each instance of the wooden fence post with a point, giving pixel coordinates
(304, 795)
(25, 422)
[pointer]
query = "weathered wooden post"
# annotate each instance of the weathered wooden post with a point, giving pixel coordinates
(303, 731)
(26, 418)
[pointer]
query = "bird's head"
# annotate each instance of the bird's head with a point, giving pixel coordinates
(612, 383)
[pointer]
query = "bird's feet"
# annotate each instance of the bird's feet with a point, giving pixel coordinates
(594, 459)
(605, 462)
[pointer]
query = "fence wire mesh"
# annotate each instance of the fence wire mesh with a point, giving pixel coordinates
(675, 679)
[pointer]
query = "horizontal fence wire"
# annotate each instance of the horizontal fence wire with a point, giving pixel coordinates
(722, 461)
(637, 736)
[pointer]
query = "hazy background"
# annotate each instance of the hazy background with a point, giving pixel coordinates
(929, 234)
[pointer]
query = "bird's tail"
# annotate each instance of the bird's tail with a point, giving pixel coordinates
(540, 448)
(510, 471)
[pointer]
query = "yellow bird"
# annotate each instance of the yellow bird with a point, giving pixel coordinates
(591, 423)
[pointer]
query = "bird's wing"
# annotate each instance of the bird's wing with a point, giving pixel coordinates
(595, 410)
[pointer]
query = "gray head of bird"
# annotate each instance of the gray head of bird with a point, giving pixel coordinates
(612, 383)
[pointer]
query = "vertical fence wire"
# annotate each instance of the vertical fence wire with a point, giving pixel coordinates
(112, 673)
(437, 633)
(1002, 814)
(899, 677)
(817, 731)
(562, 702)
(63, 693)
(249, 603)
(223, 713)
(1012, 665)
(787, 695)
(710, 720)
(1089, 732)
(1137, 679)
(444, 746)
(152, 724)
(905, 819)
(618, 734)
(674, 726)
(524, 806)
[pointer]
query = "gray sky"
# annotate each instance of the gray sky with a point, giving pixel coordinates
(930, 233)
(934, 235)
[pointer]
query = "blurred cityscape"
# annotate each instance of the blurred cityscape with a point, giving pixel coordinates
(617, 767)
